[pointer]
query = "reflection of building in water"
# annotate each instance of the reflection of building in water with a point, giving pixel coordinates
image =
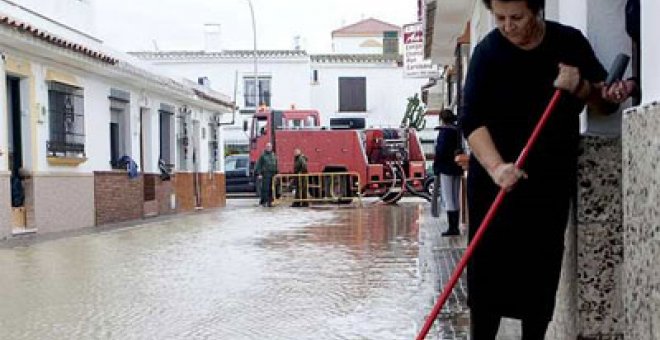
(382, 226)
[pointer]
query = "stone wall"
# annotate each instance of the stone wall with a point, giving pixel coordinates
(164, 194)
(600, 239)
(62, 202)
(213, 190)
(185, 191)
(117, 198)
(641, 183)
(565, 320)
(589, 299)
(160, 193)
(5, 206)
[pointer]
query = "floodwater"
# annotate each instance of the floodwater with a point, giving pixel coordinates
(243, 272)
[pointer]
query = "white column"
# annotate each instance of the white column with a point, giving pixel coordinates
(650, 51)
(4, 133)
(573, 13)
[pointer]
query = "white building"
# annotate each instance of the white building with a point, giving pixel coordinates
(370, 86)
(72, 110)
(354, 84)
(284, 78)
(369, 36)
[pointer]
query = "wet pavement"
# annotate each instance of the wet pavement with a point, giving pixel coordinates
(243, 272)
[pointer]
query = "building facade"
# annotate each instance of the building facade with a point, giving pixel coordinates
(283, 80)
(369, 36)
(359, 86)
(82, 132)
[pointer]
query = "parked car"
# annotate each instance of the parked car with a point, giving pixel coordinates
(237, 173)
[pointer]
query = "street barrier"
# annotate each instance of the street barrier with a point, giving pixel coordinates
(322, 187)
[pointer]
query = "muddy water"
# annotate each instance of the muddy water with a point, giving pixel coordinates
(240, 273)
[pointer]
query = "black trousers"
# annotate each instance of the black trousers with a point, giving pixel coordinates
(485, 324)
(300, 184)
(266, 189)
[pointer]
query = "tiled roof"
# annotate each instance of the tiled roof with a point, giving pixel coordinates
(55, 40)
(356, 58)
(367, 26)
(122, 66)
(228, 54)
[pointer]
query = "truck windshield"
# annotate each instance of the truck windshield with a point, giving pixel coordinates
(259, 126)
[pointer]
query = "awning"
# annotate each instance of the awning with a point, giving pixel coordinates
(450, 18)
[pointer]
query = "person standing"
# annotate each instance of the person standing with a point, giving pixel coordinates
(448, 145)
(513, 73)
(300, 182)
(266, 169)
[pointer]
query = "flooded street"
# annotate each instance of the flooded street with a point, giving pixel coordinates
(241, 272)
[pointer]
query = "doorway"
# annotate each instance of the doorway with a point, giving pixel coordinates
(15, 151)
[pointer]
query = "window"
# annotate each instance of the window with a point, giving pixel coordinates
(67, 121)
(390, 42)
(315, 76)
(213, 147)
(259, 126)
(250, 91)
(165, 133)
(183, 141)
(352, 94)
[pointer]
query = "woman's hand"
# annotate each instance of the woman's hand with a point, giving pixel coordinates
(568, 78)
(618, 92)
(506, 175)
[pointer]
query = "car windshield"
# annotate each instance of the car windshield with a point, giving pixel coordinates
(234, 163)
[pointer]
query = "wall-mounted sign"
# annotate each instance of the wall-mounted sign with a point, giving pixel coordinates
(414, 64)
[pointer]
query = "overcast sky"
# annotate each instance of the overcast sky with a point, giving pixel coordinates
(134, 25)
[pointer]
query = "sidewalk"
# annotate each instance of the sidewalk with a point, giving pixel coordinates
(453, 321)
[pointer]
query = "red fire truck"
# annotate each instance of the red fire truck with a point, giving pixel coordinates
(390, 162)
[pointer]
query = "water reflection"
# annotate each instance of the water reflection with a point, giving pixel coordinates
(242, 273)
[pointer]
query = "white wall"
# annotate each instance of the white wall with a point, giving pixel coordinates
(97, 120)
(481, 23)
(289, 79)
(607, 33)
(351, 45)
(573, 13)
(387, 92)
(650, 51)
(4, 136)
(67, 17)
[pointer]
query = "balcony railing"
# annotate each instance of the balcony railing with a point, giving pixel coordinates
(60, 148)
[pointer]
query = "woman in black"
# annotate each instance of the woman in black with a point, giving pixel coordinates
(449, 141)
(513, 73)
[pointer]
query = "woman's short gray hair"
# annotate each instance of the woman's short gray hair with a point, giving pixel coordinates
(534, 5)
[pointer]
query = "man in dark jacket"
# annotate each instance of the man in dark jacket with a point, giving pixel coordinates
(266, 169)
(300, 182)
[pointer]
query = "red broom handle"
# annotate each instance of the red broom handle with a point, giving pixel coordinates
(449, 286)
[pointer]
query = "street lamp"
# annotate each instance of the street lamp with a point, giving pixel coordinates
(256, 76)
(254, 44)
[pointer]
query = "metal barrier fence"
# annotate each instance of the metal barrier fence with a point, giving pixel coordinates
(325, 187)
